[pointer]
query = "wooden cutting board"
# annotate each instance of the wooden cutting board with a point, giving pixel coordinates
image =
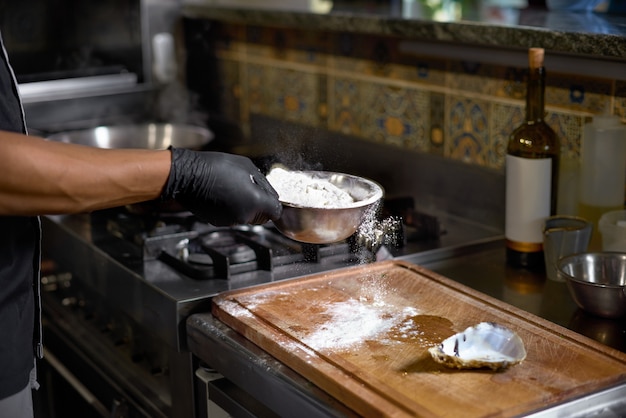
(362, 335)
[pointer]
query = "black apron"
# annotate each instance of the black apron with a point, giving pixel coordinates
(20, 325)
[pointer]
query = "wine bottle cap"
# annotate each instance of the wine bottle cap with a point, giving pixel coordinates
(535, 57)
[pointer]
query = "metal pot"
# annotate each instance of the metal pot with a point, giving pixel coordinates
(146, 136)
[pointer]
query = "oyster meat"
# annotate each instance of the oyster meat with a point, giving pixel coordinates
(486, 345)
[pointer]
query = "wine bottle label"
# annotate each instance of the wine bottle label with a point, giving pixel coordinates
(528, 190)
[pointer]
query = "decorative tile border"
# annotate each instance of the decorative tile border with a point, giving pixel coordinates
(361, 85)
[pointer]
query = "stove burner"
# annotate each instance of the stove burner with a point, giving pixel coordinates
(198, 251)
(139, 228)
(226, 243)
(218, 254)
(199, 258)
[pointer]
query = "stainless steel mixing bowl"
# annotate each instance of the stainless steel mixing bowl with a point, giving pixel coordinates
(148, 135)
(328, 225)
(597, 282)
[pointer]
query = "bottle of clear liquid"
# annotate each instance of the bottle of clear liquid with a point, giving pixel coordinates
(532, 166)
(602, 171)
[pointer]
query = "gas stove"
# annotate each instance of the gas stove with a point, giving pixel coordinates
(174, 264)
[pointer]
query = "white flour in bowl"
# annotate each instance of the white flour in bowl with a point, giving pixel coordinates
(303, 190)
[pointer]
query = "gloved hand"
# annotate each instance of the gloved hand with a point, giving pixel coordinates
(219, 188)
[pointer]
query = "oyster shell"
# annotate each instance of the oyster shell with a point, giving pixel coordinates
(484, 345)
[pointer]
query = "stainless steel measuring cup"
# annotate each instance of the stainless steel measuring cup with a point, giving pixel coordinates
(564, 235)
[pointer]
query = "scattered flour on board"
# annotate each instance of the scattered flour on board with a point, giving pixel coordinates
(346, 324)
(351, 323)
(301, 189)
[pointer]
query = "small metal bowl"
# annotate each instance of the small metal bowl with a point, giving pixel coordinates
(328, 225)
(597, 282)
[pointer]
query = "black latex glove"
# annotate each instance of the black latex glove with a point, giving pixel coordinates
(222, 189)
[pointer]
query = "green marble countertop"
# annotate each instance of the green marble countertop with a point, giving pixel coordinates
(473, 23)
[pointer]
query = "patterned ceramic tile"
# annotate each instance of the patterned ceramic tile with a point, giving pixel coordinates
(292, 95)
(619, 107)
(468, 128)
(578, 93)
(396, 116)
(472, 77)
(340, 81)
(510, 83)
(504, 119)
(344, 106)
(423, 70)
(569, 130)
(437, 122)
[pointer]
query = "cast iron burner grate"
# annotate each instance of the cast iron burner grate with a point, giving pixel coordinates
(226, 252)
(202, 251)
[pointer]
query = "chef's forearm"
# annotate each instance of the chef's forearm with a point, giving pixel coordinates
(46, 177)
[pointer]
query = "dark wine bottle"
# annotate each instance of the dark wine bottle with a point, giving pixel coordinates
(532, 166)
